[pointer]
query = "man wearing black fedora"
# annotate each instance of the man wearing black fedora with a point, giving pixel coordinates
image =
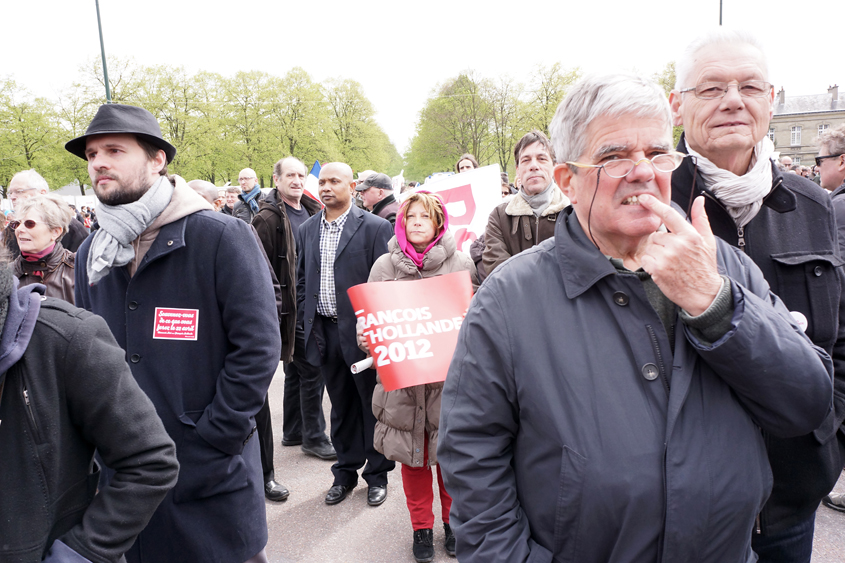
(188, 296)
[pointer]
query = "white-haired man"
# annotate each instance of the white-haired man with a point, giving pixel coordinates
(621, 421)
(785, 223)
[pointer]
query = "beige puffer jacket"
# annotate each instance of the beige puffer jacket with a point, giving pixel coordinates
(404, 416)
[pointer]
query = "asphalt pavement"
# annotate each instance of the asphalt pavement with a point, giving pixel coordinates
(304, 529)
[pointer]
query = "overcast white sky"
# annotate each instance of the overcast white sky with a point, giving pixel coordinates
(399, 51)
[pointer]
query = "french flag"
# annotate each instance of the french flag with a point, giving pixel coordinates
(311, 182)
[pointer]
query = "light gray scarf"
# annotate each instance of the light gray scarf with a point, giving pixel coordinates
(741, 195)
(122, 224)
(539, 202)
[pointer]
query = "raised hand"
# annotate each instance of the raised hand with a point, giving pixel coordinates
(682, 262)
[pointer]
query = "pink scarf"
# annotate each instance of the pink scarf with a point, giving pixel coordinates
(36, 256)
(402, 239)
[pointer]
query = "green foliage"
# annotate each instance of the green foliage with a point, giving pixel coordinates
(666, 80)
(218, 124)
(483, 117)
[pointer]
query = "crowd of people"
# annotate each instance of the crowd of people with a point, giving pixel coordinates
(652, 367)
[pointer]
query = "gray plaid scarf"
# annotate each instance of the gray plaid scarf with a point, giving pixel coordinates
(122, 224)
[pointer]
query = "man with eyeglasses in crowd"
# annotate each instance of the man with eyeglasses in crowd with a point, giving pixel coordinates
(621, 421)
(785, 223)
(250, 198)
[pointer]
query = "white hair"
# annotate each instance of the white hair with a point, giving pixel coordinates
(719, 36)
(32, 179)
(611, 95)
(248, 171)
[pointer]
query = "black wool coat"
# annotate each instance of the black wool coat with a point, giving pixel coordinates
(208, 390)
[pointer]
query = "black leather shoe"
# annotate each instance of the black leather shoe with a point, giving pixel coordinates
(291, 441)
(450, 540)
(337, 493)
(423, 545)
(324, 451)
(275, 492)
(376, 495)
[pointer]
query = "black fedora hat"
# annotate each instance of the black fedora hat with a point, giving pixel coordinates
(121, 119)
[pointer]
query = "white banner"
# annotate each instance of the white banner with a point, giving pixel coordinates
(470, 197)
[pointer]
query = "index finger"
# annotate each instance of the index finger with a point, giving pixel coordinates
(673, 220)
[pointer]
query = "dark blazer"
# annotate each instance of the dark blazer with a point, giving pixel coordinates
(363, 240)
(206, 391)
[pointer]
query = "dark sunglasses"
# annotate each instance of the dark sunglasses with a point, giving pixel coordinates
(820, 158)
(29, 224)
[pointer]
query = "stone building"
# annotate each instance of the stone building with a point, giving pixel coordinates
(798, 121)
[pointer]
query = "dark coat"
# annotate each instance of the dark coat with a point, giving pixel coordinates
(206, 391)
(57, 269)
(793, 241)
(387, 209)
(226, 210)
(558, 442)
(69, 393)
(363, 240)
(76, 233)
(273, 228)
(837, 196)
(243, 211)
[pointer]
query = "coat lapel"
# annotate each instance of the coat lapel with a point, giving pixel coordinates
(356, 217)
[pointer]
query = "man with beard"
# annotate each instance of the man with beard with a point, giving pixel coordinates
(187, 294)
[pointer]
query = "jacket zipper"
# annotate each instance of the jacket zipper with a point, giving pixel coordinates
(536, 229)
(757, 524)
(659, 359)
(29, 410)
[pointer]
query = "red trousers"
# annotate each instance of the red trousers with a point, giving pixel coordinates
(420, 496)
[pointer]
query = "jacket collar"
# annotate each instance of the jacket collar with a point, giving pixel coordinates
(838, 191)
(383, 203)
(275, 203)
(170, 237)
(356, 217)
(46, 264)
(517, 206)
(780, 199)
(581, 263)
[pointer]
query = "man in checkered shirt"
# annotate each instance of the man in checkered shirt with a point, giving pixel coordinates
(335, 250)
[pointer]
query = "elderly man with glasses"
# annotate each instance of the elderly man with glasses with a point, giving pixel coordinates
(783, 222)
(621, 421)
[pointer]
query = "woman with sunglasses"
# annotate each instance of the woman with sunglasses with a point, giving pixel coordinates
(41, 223)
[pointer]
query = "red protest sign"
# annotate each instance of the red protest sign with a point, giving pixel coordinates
(412, 326)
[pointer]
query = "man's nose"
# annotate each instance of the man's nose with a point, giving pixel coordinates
(643, 171)
(732, 97)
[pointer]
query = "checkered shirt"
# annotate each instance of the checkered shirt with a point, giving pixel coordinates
(329, 239)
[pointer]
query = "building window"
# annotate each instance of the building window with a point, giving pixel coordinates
(795, 136)
(772, 134)
(796, 161)
(822, 128)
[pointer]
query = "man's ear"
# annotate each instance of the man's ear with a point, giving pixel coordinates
(675, 104)
(563, 178)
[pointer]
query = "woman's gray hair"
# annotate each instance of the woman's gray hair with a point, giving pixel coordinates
(610, 95)
(686, 65)
(54, 211)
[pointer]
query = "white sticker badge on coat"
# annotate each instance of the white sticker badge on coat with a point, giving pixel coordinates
(800, 320)
(176, 324)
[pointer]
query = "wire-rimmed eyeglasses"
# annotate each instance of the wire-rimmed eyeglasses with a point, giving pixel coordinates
(714, 90)
(666, 162)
